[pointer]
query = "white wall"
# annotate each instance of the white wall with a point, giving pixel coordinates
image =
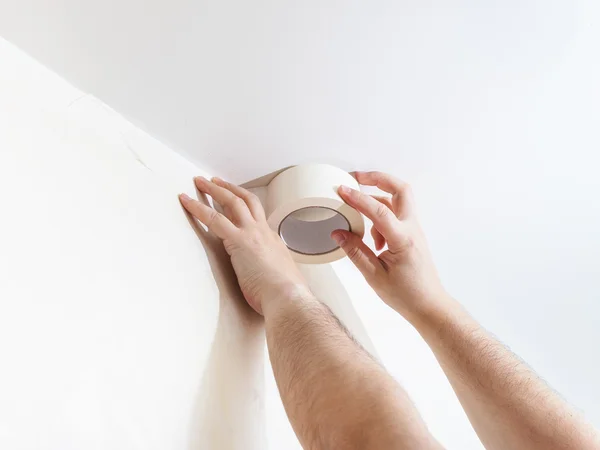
(118, 330)
(121, 323)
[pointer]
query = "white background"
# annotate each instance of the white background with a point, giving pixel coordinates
(489, 110)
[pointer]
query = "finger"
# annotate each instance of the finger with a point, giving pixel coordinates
(252, 201)
(378, 239)
(402, 196)
(386, 182)
(382, 217)
(362, 256)
(215, 221)
(387, 201)
(237, 210)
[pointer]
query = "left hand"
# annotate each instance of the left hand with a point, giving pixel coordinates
(264, 267)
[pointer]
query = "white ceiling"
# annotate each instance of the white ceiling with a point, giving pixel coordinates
(245, 87)
(490, 109)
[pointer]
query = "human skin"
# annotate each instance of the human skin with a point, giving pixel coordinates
(335, 394)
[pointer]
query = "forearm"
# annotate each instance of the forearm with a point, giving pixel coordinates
(507, 403)
(335, 394)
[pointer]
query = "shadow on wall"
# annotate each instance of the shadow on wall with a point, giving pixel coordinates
(228, 411)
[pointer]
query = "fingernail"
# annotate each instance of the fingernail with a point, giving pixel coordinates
(344, 189)
(339, 238)
(215, 179)
(184, 197)
(200, 180)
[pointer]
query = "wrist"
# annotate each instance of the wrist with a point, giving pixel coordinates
(444, 316)
(284, 296)
(430, 312)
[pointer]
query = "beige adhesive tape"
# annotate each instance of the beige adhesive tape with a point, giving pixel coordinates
(303, 207)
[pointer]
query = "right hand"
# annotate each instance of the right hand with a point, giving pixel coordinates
(404, 275)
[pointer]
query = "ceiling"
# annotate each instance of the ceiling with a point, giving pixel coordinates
(490, 109)
(247, 87)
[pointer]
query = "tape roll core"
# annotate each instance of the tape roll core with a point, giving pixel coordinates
(310, 236)
(303, 207)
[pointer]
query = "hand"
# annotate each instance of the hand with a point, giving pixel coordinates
(404, 275)
(262, 263)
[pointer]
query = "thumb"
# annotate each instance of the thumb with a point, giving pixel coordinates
(362, 256)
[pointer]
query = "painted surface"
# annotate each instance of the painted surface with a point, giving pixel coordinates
(120, 324)
(490, 111)
(425, 85)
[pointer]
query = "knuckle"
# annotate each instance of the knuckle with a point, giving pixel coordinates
(376, 175)
(230, 246)
(362, 199)
(237, 202)
(382, 211)
(212, 218)
(403, 246)
(409, 242)
(355, 195)
(354, 253)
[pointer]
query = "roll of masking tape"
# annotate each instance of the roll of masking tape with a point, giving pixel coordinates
(302, 205)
